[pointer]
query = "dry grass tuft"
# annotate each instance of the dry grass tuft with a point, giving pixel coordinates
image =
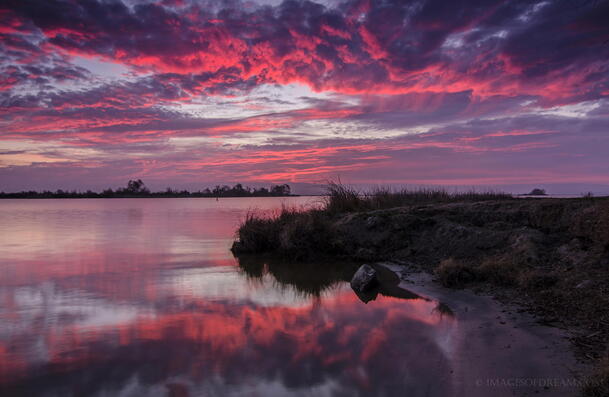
(292, 233)
(455, 274)
(598, 384)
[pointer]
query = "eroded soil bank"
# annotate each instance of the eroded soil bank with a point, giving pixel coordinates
(550, 256)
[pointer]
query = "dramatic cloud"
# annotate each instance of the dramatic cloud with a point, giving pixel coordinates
(466, 92)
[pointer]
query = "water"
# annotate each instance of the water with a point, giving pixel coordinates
(137, 297)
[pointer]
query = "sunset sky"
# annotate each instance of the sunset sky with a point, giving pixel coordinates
(189, 94)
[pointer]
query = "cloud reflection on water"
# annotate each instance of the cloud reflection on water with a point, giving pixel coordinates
(144, 310)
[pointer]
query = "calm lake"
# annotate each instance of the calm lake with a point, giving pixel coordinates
(142, 297)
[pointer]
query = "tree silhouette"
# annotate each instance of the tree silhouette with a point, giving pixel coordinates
(537, 192)
(280, 190)
(137, 187)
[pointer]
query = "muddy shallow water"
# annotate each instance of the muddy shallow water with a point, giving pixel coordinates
(134, 297)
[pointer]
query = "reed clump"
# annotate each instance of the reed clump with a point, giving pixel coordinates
(291, 233)
(341, 198)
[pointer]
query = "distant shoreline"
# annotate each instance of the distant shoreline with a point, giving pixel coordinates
(137, 189)
(6, 196)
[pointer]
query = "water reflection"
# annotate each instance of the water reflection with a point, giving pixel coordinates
(330, 346)
(142, 297)
(307, 278)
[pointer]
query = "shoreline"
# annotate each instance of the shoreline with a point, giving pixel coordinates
(516, 334)
(549, 256)
(145, 197)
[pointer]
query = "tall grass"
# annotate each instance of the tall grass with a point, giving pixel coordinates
(341, 198)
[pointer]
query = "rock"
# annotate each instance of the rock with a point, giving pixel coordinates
(364, 279)
(372, 222)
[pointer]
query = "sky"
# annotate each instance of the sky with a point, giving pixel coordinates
(498, 94)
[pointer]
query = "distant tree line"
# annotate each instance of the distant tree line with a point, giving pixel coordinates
(538, 192)
(137, 188)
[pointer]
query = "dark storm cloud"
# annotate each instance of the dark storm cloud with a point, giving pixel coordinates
(375, 43)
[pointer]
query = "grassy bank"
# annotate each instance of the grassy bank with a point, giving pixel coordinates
(549, 255)
(297, 234)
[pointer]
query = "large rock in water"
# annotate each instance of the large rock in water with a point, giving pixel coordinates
(364, 279)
